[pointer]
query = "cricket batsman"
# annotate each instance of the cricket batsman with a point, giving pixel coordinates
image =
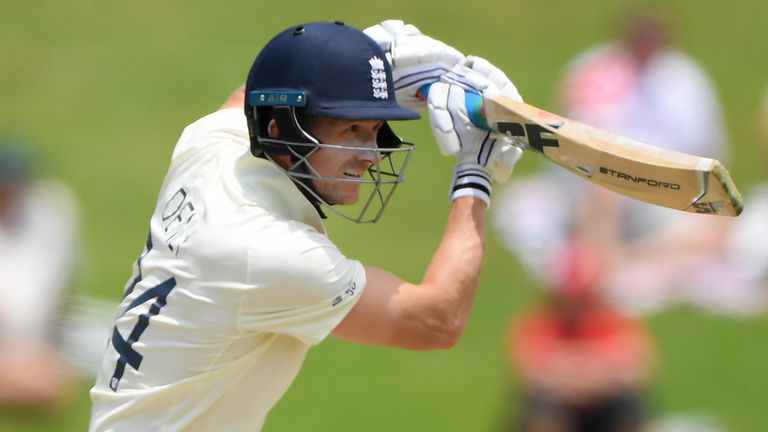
(238, 279)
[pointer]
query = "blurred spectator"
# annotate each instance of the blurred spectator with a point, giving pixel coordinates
(642, 87)
(38, 231)
(584, 365)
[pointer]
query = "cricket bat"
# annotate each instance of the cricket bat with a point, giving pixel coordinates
(658, 176)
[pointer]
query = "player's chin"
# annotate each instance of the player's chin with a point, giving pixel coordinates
(348, 197)
(345, 195)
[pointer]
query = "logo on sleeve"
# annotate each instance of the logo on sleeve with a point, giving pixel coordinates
(347, 294)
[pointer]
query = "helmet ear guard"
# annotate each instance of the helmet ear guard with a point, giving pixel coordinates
(257, 127)
(264, 106)
(387, 138)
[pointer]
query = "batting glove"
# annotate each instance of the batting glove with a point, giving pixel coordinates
(416, 59)
(482, 154)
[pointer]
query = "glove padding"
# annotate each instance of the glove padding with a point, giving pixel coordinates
(480, 76)
(492, 152)
(416, 59)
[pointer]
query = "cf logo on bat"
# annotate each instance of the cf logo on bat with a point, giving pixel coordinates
(532, 131)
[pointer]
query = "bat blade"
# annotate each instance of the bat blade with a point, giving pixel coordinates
(658, 176)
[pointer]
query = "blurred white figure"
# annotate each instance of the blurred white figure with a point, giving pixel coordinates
(717, 264)
(38, 235)
(643, 88)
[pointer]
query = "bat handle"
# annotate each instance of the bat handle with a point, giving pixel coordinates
(473, 102)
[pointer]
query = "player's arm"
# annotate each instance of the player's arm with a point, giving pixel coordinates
(433, 313)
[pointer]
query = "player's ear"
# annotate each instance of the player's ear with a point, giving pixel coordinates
(273, 130)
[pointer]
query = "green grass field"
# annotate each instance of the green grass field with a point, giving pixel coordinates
(103, 90)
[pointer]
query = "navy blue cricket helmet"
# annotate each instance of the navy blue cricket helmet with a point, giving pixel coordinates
(321, 69)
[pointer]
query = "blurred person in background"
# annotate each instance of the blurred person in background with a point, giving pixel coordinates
(38, 234)
(584, 365)
(642, 87)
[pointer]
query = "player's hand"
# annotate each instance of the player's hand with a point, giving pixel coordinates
(482, 154)
(416, 59)
(479, 75)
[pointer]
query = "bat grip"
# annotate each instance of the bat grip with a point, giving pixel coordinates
(473, 101)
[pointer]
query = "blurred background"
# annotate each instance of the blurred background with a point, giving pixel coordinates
(101, 91)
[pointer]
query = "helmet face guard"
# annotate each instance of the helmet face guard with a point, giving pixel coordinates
(326, 70)
(380, 180)
(391, 156)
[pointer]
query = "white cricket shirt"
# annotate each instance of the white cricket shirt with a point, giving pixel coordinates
(236, 282)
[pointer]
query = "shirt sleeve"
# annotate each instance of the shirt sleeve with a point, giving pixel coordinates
(301, 285)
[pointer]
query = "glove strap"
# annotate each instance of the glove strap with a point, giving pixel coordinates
(471, 180)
